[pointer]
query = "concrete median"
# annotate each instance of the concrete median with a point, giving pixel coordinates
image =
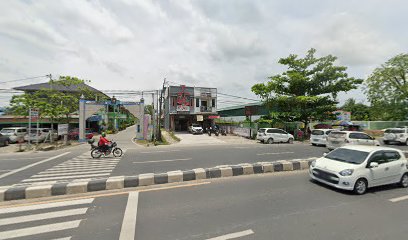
(121, 182)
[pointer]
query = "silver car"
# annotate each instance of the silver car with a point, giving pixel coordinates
(15, 134)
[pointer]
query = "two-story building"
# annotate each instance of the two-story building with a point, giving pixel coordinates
(184, 106)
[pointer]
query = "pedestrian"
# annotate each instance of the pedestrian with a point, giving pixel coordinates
(300, 135)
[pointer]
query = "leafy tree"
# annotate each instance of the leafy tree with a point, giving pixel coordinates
(359, 111)
(52, 103)
(387, 89)
(307, 90)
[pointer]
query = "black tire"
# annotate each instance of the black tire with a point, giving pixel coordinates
(290, 140)
(404, 181)
(6, 143)
(360, 187)
(269, 141)
(117, 152)
(314, 144)
(96, 153)
(386, 142)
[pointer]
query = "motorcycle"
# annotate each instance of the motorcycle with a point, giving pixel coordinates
(98, 151)
(211, 130)
(91, 142)
(223, 132)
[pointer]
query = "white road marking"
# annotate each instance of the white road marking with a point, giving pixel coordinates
(66, 238)
(275, 153)
(398, 199)
(23, 232)
(5, 170)
(128, 230)
(79, 170)
(45, 206)
(234, 235)
(162, 151)
(42, 216)
(66, 174)
(32, 165)
(64, 177)
(171, 160)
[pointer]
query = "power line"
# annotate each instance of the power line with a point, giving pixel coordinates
(24, 79)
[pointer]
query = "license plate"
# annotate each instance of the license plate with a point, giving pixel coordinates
(316, 140)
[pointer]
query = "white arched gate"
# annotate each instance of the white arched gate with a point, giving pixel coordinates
(88, 108)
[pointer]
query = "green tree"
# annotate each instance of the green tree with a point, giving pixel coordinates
(307, 90)
(387, 89)
(359, 111)
(54, 104)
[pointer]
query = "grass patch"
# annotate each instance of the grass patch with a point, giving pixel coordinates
(172, 135)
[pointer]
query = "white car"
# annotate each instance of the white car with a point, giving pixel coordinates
(43, 135)
(343, 138)
(15, 134)
(319, 136)
(195, 129)
(396, 135)
(357, 168)
(273, 135)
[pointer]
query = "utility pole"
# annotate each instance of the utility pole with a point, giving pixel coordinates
(51, 134)
(160, 108)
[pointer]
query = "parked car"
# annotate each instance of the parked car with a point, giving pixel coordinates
(4, 140)
(15, 134)
(43, 135)
(319, 136)
(273, 135)
(358, 168)
(74, 134)
(342, 138)
(396, 135)
(195, 129)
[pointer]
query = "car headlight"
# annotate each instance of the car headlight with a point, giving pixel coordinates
(313, 163)
(346, 172)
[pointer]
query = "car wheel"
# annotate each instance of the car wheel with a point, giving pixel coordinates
(290, 141)
(6, 143)
(360, 187)
(314, 144)
(386, 142)
(270, 141)
(404, 180)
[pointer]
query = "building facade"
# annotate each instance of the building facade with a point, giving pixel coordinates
(184, 106)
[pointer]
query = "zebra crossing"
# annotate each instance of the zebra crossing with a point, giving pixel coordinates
(80, 168)
(37, 221)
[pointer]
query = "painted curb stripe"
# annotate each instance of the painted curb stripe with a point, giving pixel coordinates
(61, 188)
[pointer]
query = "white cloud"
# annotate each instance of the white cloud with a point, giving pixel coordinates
(231, 44)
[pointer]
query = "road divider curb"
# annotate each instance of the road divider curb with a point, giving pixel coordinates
(147, 179)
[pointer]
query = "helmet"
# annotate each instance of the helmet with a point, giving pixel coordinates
(103, 134)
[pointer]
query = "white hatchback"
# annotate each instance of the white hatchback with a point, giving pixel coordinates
(273, 135)
(343, 138)
(397, 135)
(319, 136)
(358, 168)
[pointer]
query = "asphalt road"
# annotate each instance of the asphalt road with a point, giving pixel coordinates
(75, 163)
(272, 206)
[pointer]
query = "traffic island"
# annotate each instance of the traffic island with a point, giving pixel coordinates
(148, 179)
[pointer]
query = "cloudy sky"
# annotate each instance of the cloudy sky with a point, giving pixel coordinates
(228, 44)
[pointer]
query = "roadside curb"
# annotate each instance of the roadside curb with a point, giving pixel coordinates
(148, 179)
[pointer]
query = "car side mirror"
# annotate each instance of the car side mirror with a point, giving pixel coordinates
(373, 164)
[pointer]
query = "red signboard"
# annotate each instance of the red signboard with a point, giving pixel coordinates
(213, 117)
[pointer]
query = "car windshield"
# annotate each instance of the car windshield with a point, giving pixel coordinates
(317, 132)
(5, 131)
(394, 131)
(261, 130)
(196, 125)
(347, 155)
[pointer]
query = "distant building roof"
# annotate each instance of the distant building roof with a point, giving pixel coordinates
(58, 87)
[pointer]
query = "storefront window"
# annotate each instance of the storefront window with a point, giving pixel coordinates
(213, 103)
(197, 102)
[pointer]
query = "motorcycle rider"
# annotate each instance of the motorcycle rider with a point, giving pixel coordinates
(104, 143)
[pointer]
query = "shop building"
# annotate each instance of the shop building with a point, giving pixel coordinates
(185, 105)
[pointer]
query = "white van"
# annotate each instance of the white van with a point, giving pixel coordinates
(14, 133)
(319, 136)
(342, 138)
(272, 135)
